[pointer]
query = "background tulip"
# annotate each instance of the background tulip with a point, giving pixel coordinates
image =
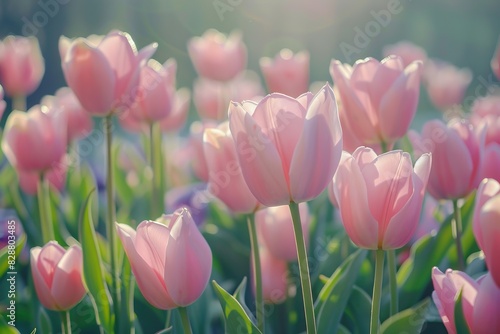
(34, 141)
(56, 176)
(217, 56)
(380, 197)
(275, 229)
(495, 62)
(287, 73)
(176, 120)
(288, 148)
(274, 277)
(408, 52)
(171, 260)
(379, 98)
(446, 289)
(57, 275)
(21, 65)
(104, 77)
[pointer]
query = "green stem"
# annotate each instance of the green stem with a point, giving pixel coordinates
(303, 269)
(393, 284)
(456, 229)
(111, 214)
(169, 316)
(257, 272)
(377, 291)
(383, 146)
(19, 102)
(156, 156)
(185, 320)
(45, 210)
(65, 322)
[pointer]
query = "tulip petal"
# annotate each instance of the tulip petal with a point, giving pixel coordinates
(81, 66)
(41, 286)
(489, 221)
(487, 189)
(487, 307)
(351, 194)
(259, 159)
(67, 287)
(49, 257)
(151, 243)
(318, 150)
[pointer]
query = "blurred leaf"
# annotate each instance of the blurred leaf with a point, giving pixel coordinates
(333, 298)
(236, 319)
(460, 322)
(92, 269)
(409, 321)
(44, 321)
(343, 330)
(357, 312)
(123, 190)
(33, 331)
(414, 275)
(5, 328)
(4, 254)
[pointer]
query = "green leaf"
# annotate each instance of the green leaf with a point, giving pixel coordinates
(357, 313)
(5, 328)
(236, 319)
(460, 322)
(409, 321)
(239, 294)
(5, 257)
(92, 269)
(44, 321)
(333, 298)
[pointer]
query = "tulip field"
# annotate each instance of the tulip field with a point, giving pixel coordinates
(250, 201)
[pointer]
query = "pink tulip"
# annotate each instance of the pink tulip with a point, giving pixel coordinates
(287, 73)
(35, 140)
(275, 228)
(179, 113)
(380, 197)
(211, 98)
(274, 277)
(21, 65)
(79, 121)
(487, 224)
(216, 56)
(56, 176)
(171, 261)
(486, 105)
(225, 180)
(490, 162)
(487, 307)
(408, 52)
(379, 98)
(446, 289)
(195, 143)
(449, 144)
(288, 148)
(104, 77)
(2, 103)
(156, 92)
(57, 275)
(495, 62)
(446, 84)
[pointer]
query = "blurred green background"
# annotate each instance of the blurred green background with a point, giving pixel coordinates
(463, 32)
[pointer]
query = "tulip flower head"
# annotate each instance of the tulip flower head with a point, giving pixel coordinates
(171, 260)
(380, 197)
(408, 52)
(57, 275)
(495, 61)
(288, 149)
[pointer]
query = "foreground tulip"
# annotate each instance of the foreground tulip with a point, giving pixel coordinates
(216, 56)
(225, 179)
(57, 275)
(275, 229)
(288, 149)
(487, 224)
(21, 67)
(380, 197)
(105, 76)
(447, 286)
(487, 307)
(287, 73)
(379, 98)
(408, 52)
(34, 141)
(171, 261)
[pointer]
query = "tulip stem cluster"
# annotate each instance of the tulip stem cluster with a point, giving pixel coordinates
(377, 291)
(456, 229)
(303, 269)
(393, 284)
(185, 320)
(65, 322)
(156, 161)
(110, 223)
(257, 272)
(44, 207)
